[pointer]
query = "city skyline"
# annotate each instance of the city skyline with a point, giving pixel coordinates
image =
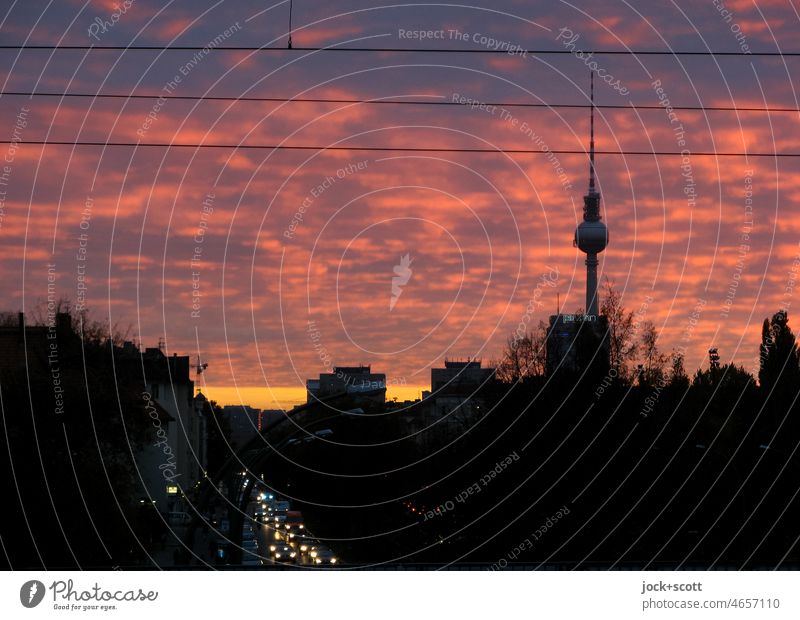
(229, 254)
(364, 286)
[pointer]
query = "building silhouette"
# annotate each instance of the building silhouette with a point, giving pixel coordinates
(359, 381)
(172, 461)
(170, 466)
(456, 399)
(246, 422)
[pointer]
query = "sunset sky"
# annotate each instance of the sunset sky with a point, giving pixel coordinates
(481, 230)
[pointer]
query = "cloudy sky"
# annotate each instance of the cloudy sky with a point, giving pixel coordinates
(230, 252)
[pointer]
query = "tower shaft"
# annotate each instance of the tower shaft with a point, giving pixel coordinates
(591, 285)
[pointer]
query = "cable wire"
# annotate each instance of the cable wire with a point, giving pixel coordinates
(402, 149)
(398, 50)
(397, 102)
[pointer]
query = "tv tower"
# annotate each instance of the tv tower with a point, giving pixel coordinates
(591, 235)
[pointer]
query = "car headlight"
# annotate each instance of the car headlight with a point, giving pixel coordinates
(277, 555)
(303, 548)
(292, 554)
(318, 561)
(313, 554)
(272, 547)
(333, 560)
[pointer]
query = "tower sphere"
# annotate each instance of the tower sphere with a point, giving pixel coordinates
(591, 237)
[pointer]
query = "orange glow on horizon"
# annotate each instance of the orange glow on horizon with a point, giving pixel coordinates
(287, 397)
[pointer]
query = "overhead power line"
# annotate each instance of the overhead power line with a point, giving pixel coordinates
(401, 149)
(398, 102)
(398, 50)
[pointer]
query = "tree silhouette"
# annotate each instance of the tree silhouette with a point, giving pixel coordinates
(779, 380)
(653, 361)
(678, 379)
(779, 370)
(83, 499)
(621, 343)
(523, 356)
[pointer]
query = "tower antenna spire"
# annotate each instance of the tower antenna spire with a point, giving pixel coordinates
(591, 132)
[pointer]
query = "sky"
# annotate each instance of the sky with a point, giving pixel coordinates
(274, 265)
